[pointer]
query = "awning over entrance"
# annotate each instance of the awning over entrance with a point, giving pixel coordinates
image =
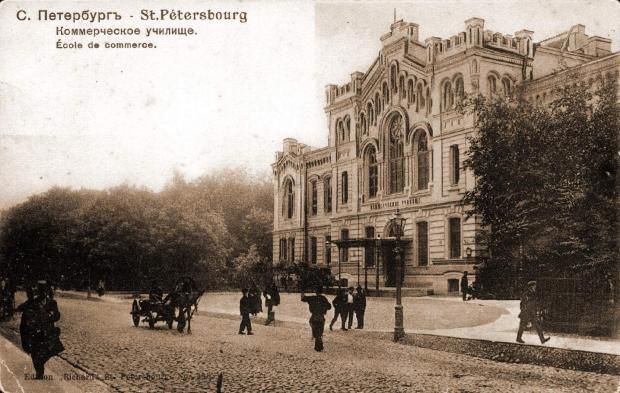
(370, 243)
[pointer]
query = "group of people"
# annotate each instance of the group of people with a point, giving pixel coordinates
(251, 303)
(346, 303)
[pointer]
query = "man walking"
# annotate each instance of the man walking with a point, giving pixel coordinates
(272, 299)
(359, 303)
(244, 309)
(529, 310)
(349, 308)
(464, 285)
(338, 304)
(318, 305)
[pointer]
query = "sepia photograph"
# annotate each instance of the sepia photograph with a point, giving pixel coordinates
(309, 196)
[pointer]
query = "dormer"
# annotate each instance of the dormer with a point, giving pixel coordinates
(400, 29)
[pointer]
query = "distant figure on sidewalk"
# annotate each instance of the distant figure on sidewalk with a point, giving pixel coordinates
(318, 305)
(359, 304)
(245, 308)
(40, 338)
(101, 288)
(272, 299)
(464, 285)
(529, 311)
(349, 308)
(256, 304)
(338, 303)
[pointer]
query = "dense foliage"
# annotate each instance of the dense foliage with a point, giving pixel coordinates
(128, 236)
(545, 185)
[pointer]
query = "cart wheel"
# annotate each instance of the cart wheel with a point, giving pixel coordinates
(134, 314)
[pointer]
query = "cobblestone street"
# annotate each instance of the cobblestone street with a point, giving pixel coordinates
(100, 338)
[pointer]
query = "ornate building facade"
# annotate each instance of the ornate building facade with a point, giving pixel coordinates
(397, 143)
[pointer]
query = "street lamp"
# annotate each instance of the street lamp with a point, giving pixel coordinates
(398, 224)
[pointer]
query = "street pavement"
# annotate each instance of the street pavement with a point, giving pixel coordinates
(99, 338)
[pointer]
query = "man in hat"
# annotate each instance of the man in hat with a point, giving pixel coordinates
(318, 305)
(40, 338)
(244, 309)
(464, 285)
(349, 308)
(529, 310)
(359, 304)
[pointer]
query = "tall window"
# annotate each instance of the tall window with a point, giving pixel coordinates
(459, 90)
(373, 172)
(289, 200)
(422, 243)
(344, 252)
(410, 94)
(492, 82)
(369, 252)
(455, 237)
(313, 198)
(447, 97)
(423, 161)
(313, 250)
(291, 249)
(345, 188)
(328, 250)
(454, 164)
(283, 249)
(327, 194)
(506, 87)
(363, 126)
(397, 155)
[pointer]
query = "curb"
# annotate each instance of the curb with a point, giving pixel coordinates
(570, 359)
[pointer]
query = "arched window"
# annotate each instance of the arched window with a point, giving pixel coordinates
(393, 76)
(371, 113)
(401, 86)
(347, 128)
(373, 172)
(386, 95)
(363, 125)
(429, 102)
(419, 99)
(396, 154)
(422, 159)
(288, 203)
(459, 90)
(506, 88)
(446, 99)
(474, 66)
(313, 198)
(327, 194)
(492, 82)
(339, 131)
(377, 107)
(410, 92)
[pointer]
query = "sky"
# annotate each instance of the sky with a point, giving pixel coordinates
(225, 97)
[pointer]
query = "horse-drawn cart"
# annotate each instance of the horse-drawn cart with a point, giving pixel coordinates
(179, 305)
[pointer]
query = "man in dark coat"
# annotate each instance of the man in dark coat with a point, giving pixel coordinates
(529, 311)
(318, 305)
(245, 307)
(359, 304)
(464, 285)
(40, 338)
(338, 304)
(349, 308)
(156, 294)
(272, 299)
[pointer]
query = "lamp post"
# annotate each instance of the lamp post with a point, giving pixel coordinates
(398, 222)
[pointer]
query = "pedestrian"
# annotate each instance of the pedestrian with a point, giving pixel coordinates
(272, 299)
(338, 304)
(359, 304)
(349, 308)
(40, 338)
(156, 294)
(319, 306)
(256, 304)
(464, 285)
(245, 308)
(529, 313)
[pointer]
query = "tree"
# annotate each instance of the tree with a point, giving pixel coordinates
(545, 184)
